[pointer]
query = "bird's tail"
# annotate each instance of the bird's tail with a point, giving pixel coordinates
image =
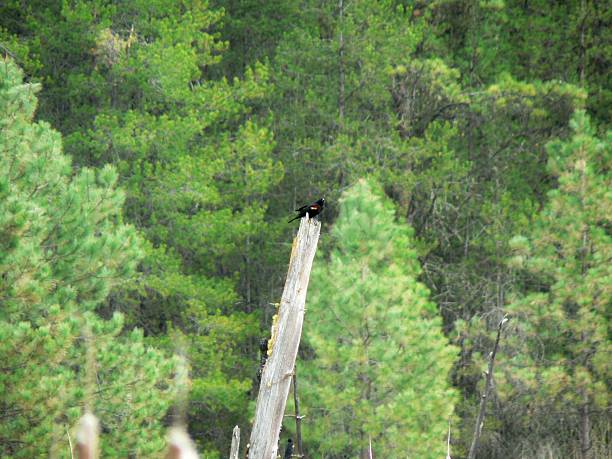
(294, 219)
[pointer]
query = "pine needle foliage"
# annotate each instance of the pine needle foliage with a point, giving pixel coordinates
(381, 366)
(560, 362)
(63, 246)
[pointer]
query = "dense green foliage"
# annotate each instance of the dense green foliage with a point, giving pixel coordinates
(563, 346)
(63, 247)
(216, 119)
(381, 364)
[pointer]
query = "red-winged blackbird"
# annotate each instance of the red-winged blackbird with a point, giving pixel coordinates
(312, 210)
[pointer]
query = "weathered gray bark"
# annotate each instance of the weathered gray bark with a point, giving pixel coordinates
(278, 371)
(486, 392)
(235, 443)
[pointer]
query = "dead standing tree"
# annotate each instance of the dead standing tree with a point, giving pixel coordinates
(283, 348)
(486, 392)
(235, 443)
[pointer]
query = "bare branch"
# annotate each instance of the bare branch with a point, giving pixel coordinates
(486, 392)
(448, 456)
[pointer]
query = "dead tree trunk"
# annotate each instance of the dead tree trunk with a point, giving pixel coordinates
(284, 343)
(485, 392)
(585, 429)
(235, 443)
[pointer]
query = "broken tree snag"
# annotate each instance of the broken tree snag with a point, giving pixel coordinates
(235, 443)
(278, 370)
(487, 390)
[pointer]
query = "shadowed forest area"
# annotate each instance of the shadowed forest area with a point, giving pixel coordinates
(152, 152)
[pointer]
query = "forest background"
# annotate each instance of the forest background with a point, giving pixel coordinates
(152, 152)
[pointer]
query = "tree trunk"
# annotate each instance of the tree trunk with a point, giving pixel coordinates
(341, 62)
(583, 50)
(585, 429)
(284, 343)
(235, 443)
(485, 393)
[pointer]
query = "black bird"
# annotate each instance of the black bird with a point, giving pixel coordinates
(288, 449)
(312, 210)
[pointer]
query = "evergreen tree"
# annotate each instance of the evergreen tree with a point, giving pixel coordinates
(534, 40)
(63, 246)
(560, 362)
(380, 371)
(253, 29)
(449, 104)
(196, 165)
(339, 82)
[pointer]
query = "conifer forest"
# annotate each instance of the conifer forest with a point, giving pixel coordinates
(459, 303)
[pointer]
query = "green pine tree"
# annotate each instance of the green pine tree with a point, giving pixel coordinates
(63, 246)
(535, 40)
(561, 362)
(381, 364)
(130, 84)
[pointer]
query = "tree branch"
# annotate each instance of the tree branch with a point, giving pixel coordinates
(485, 394)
